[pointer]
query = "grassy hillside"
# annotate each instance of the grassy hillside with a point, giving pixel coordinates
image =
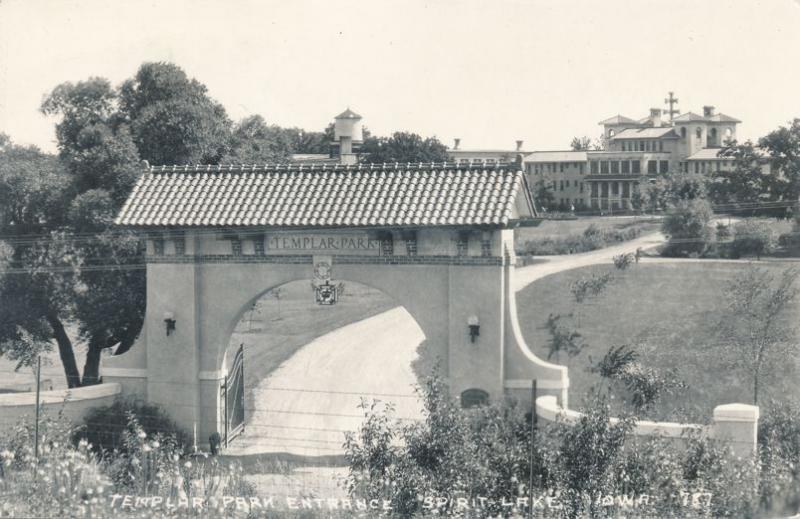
(669, 313)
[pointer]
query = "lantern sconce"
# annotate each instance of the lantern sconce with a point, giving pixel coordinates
(474, 327)
(169, 321)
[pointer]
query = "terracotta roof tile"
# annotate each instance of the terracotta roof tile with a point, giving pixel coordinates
(322, 195)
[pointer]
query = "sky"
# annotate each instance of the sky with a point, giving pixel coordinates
(488, 72)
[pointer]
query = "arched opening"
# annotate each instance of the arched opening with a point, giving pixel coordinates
(699, 132)
(611, 133)
(683, 132)
(474, 397)
(307, 366)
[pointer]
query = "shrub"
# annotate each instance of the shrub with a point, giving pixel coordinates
(104, 427)
(592, 238)
(686, 224)
(586, 287)
(723, 231)
(623, 261)
(753, 237)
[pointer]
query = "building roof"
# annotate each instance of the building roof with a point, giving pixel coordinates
(688, 117)
(555, 156)
(314, 158)
(618, 119)
(325, 196)
(707, 154)
(348, 114)
(646, 133)
(722, 118)
(716, 118)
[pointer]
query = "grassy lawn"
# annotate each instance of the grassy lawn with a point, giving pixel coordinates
(271, 334)
(668, 313)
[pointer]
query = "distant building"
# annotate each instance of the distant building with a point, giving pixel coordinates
(462, 156)
(635, 150)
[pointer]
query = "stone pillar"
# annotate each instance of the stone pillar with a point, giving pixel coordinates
(737, 424)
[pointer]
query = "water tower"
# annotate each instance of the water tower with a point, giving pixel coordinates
(347, 131)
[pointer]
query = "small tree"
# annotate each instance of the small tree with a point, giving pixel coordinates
(686, 224)
(754, 328)
(562, 338)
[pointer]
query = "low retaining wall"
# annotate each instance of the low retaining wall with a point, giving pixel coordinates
(73, 404)
(736, 424)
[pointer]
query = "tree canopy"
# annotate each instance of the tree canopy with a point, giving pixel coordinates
(403, 147)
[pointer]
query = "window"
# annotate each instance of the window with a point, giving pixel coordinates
(663, 166)
(697, 167)
(615, 167)
(683, 132)
(258, 245)
(636, 167)
(410, 238)
(594, 189)
(660, 145)
(615, 188)
(626, 167)
(611, 133)
(561, 167)
(474, 398)
(626, 190)
(462, 244)
(561, 185)
(641, 145)
(158, 246)
(594, 167)
(604, 190)
(574, 183)
(699, 132)
(728, 133)
(554, 185)
(581, 187)
(387, 244)
(581, 167)
(236, 247)
(604, 167)
(652, 167)
(486, 247)
(719, 163)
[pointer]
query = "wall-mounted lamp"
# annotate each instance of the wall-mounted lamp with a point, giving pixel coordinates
(474, 327)
(169, 320)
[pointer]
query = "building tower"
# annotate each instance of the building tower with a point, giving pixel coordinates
(348, 135)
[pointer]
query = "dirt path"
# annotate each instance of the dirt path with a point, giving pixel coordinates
(304, 406)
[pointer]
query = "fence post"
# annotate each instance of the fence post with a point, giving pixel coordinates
(533, 446)
(36, 426)
(737, 424)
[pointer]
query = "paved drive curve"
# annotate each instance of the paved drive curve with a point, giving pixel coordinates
(371, 357)
(305, 405)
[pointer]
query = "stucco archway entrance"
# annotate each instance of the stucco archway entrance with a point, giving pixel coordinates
(437, 238)
(308, 367)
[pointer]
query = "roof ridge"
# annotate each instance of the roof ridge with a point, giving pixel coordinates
(386, 166)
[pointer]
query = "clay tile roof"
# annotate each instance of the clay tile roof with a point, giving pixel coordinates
(317, 196)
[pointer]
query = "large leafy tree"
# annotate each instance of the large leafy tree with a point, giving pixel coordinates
(748, 182)
(172, 118)
(783, 148)
(98, 151)
(253, 141)
(37, 261)
(403, 147)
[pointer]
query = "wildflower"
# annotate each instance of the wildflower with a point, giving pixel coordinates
(188, 464)
(142, 435)
(146, 448)
(155, 444)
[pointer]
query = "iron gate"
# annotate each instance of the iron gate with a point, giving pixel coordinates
(232, 393)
